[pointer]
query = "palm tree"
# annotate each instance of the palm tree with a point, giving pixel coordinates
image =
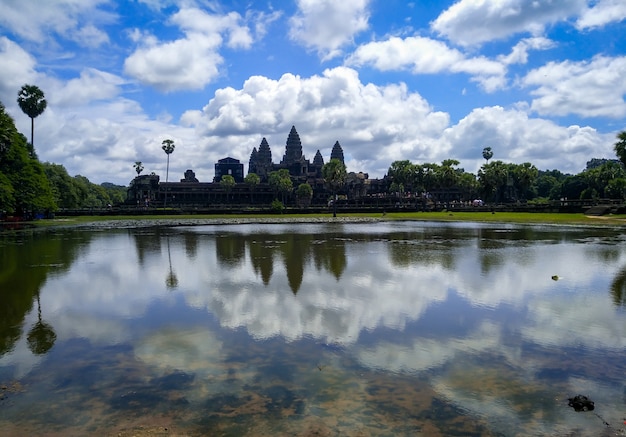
(227, 182)
(335, 175)
(620, 147)
(487, 154)
(252, 180)
(168, 147)
(138, 165)
(32, 102)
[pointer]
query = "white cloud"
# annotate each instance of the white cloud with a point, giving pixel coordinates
(91, 85)
(18, 67)
(519, 53)
(90, 36)
(34, 20)
(593, 88)
(328, 25)
(427, 56)
(472, 22)
(374, 124)
(517, 138)
(191, 62)
(601, 13)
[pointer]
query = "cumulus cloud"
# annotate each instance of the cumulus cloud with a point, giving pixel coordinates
(35, 20)
(328, 25)
(18, 66)
(470, 22)
(601, 13)
(594, 88)
(516, 137)
(91, 85)
(519, 53)
(188, 63)
(427, 56)
(374, 124)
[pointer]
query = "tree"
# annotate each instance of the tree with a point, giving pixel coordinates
(487, 154)
(32, 102)
(402, 174)
(64, 187)
(492, 179)
(24, 186)
(168, 147)
(252, 180)
(620, 147)
(525, 175)
(227, 182)
(335, 175)
(138, 165)
(304, 193)
(281, 182)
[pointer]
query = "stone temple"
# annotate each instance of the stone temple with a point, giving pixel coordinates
(147, 189)
(300, 168)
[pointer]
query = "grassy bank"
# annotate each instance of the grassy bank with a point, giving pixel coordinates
(502, 217)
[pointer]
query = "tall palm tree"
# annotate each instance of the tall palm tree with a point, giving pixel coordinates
(335, 175)
(138, 165)
(32, 102)
(487, 154)
(620, 147)
(168, 147)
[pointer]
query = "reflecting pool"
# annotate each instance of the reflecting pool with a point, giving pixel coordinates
(329, 329)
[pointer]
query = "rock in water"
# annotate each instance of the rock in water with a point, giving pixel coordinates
(581, 403)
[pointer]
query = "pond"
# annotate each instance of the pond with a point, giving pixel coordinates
(328, 329)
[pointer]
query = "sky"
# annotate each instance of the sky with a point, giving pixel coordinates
(540, 81)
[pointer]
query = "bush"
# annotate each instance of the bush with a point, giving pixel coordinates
(277, 206)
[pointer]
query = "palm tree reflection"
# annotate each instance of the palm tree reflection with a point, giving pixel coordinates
(618, 288)
(41, 337)
(171, 281)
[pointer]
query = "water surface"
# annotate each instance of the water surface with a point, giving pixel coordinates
(342, 329)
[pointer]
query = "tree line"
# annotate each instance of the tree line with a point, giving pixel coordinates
(28, 186)
(498, 181)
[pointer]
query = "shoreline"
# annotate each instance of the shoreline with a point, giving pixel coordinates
(126, 222)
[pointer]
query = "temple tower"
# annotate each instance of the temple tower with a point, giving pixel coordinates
(337, 152)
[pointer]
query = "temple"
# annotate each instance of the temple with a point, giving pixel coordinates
(148, 190)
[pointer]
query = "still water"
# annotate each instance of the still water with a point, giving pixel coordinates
(335, 329)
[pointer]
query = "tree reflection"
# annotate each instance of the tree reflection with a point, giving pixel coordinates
(295, 252)
(171, 281)
(41, 337)
(331, 255)
(231, 249)
(618, 288)
(262, 257)
(27, 258)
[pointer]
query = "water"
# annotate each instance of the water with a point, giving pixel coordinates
(371, 329)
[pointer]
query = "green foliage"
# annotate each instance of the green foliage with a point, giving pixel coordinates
(227, 182)
(138, 166)
(304, 193)
(487, 154)
(334, 174)
(24, 187)
(277, 206)
(620, 147)
(252, 179)
(281, 182)
(32, 102)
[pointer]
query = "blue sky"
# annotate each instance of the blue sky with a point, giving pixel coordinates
(539, 81)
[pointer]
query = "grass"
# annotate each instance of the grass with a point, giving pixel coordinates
(501, 217)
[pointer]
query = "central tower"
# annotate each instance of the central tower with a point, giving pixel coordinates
(293, 149)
